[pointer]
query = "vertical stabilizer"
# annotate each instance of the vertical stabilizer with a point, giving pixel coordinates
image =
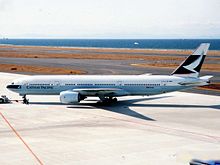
(192, 65)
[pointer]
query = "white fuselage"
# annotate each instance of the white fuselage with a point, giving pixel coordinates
(128, 84)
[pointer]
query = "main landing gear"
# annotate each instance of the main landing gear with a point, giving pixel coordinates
(25, 100)
(108, 100)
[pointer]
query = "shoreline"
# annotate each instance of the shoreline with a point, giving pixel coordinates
(96, 53)
(104, 48)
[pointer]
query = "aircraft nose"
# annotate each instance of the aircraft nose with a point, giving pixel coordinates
(13, 86)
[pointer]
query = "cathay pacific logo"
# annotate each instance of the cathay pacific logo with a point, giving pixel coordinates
(194, 65)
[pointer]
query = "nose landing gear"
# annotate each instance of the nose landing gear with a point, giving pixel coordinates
(25, 100)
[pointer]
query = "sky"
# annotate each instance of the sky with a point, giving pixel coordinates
(118, 19)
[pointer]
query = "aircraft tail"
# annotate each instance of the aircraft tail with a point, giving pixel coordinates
(193, 63)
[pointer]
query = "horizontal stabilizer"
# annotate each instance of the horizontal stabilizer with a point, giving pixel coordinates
(206, 77)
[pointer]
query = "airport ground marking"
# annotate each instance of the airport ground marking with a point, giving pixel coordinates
(173, 129)
(216, 138)
(22, 140)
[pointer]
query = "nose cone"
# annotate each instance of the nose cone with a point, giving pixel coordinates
(11, 87)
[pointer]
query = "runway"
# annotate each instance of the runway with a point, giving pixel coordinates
(169, 129)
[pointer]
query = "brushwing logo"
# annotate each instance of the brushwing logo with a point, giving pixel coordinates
(191, 67)
(195, 64)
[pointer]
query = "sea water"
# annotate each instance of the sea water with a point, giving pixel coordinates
(117, 43)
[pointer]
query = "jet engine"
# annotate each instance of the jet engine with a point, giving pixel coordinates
(69, 97)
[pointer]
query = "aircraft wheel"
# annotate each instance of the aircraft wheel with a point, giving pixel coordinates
(25, 100)
(115, 100)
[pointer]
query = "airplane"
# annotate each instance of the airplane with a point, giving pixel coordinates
(74, 88)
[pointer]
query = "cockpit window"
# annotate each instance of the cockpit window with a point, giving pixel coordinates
(13, 86)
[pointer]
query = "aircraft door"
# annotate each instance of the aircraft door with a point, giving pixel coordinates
(119, 83)
(57, 83)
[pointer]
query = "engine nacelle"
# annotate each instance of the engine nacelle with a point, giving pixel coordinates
(69, 97)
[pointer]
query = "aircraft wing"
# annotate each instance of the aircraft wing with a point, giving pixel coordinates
(189, 83)
(101, 91)
(146, 74)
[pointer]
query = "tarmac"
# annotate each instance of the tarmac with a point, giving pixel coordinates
(172, 128)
